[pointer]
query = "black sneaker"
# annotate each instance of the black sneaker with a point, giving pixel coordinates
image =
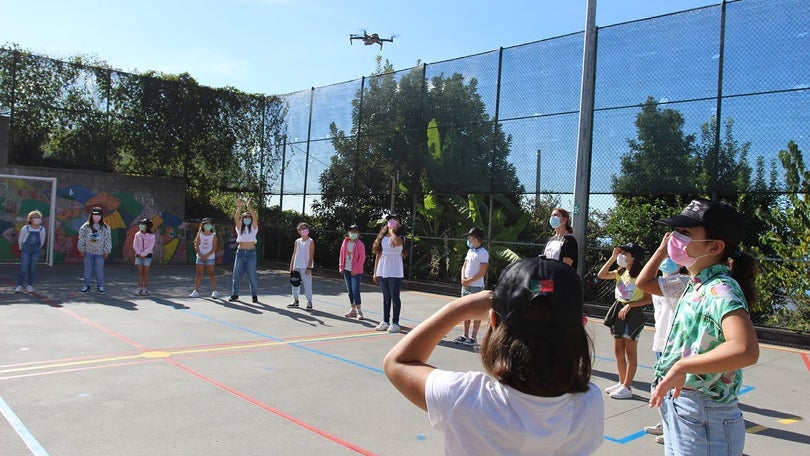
(255, 299)
(293, 305)
(85, 289)
(309, 306)
(233, 298)
(101, 290)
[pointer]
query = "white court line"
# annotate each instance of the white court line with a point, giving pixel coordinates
(26, 436)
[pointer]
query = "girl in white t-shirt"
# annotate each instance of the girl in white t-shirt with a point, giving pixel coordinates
(536, 395)
(205, 244)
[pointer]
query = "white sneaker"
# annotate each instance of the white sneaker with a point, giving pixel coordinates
(394, 328)
(18, 290)
(613, 388)
(383, 326)
(145, 292)
(214, 294)
(622, 392)
(658, 429)
(139, 291)
(29, 289)
(194, 294)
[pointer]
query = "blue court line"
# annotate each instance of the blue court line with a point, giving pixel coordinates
(626, 439)
(21, 430)
(292, 344)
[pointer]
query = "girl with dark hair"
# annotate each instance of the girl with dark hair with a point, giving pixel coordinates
(389, 270)
(535, 395)
(95, 245)
(562, 245)
(205, 245)
(143, 244)
(629, 321)
(245, 261)
(699, 374)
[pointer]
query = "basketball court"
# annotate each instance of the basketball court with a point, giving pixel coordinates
(120, 374)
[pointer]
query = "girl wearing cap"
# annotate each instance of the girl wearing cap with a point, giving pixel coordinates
(629, 322)
(563, 245)
(389, 270)
(535, 396)
(699, 374)
(351, 260)
(246, 230)
(303, 260)
(205, 244)
(31, 240)
(473, 272)
(143, 244)
(95, 245)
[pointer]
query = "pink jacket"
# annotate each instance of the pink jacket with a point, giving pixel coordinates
(143, 243)
(358, 257)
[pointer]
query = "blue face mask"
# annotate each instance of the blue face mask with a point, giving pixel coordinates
(554, 221)
(668, 266)
(470, 244)
(247, 221)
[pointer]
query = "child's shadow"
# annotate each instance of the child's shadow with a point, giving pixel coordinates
(168, 303)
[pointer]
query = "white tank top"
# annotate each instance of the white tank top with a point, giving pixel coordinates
(206, 243)
(302, 259)
(246, 236)
(390, 264)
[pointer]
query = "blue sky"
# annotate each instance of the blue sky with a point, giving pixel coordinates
(283, 46)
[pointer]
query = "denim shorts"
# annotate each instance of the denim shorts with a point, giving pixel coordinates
(208, 261)
(695, 424)
(470, 290)
(140, 261)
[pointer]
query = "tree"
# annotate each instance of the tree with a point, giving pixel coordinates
(430, 139)
(783, 282)
(657, 176)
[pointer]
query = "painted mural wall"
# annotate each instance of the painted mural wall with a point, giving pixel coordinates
(124, 200)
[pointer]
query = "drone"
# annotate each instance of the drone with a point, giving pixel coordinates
(368, 40)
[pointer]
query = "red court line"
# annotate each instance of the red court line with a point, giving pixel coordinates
(102, 328)
(806, 361)
(270, 409)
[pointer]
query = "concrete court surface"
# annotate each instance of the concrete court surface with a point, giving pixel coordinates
(165, 374)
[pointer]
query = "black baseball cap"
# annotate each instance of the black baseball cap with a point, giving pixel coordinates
(96, 211)
(633, 248)
(539, 293)
(393, 215)
(145, 221)
(721, 220)
(207, 219)
(476, 232)
(354, 227)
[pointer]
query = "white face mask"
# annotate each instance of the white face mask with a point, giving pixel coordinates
(621, 260)
(36, 221)
(96, 218)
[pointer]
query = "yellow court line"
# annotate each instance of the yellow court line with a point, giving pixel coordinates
(156, 354)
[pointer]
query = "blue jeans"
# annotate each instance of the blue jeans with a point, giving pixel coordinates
(245, 261)
(28, 266)
(390, 289)
(696, 425)
(353, 286)
(94, 266)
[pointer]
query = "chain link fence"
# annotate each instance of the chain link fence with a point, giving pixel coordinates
(490, 140)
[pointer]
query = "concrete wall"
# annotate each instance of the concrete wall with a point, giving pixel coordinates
(125, 200)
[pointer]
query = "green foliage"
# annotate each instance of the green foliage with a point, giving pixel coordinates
(434, 141)
(783, 282)
(82, 114)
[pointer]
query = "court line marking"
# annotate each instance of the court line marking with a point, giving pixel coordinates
(22, 431)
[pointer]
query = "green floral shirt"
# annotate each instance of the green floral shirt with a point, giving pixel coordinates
(696, 329)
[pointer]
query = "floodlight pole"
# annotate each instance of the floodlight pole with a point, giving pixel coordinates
(585, 136)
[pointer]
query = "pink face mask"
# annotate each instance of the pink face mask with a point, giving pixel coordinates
(676, 248)
(304, 232)
(96, 218)
(393, 223)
